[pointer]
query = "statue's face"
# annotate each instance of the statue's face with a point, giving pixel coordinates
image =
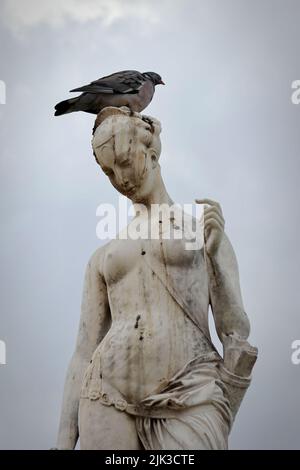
(128, 161)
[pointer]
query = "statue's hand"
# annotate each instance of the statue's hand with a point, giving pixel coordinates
(239, 355)
(213, 225)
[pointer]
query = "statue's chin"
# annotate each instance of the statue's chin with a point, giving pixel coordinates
(131, 192)
(135, 195)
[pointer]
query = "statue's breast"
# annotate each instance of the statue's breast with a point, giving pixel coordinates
(121, 258)
(167, 247)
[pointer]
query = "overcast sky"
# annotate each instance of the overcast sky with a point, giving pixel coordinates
(230, 132)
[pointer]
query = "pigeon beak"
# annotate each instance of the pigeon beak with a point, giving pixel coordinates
(161, 83)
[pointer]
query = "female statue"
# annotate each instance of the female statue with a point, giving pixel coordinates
(145, 374)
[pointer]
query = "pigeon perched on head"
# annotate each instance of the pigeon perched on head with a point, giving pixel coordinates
(127, 88)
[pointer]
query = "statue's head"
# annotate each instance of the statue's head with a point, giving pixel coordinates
(127, 147)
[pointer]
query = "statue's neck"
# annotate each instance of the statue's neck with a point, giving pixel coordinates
(158, 196)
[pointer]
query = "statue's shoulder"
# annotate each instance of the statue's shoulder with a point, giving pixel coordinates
(96, 260)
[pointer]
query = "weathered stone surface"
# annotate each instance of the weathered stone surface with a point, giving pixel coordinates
(145, 373)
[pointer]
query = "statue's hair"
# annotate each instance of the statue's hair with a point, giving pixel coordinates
(124, 111)
(150, 125)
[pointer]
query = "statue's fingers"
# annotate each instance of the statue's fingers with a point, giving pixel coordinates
(211, 212)
(213, 223)
(215, 217)
(214, 211)
(210, 202)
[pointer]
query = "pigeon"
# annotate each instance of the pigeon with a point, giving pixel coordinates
(127, 88)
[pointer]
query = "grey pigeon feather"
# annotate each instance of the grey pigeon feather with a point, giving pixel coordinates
(126, 88)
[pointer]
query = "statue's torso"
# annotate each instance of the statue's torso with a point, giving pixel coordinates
(151, 337)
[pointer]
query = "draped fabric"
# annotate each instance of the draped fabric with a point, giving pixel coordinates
(189, 411)
(203, 417)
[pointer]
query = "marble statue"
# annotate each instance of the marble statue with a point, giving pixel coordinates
(145, 373)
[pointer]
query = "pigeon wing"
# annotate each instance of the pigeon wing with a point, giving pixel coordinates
(127, 81)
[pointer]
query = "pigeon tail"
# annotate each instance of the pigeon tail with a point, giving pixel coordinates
(65, 107)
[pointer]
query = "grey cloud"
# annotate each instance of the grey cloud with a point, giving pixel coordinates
(19, 15)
